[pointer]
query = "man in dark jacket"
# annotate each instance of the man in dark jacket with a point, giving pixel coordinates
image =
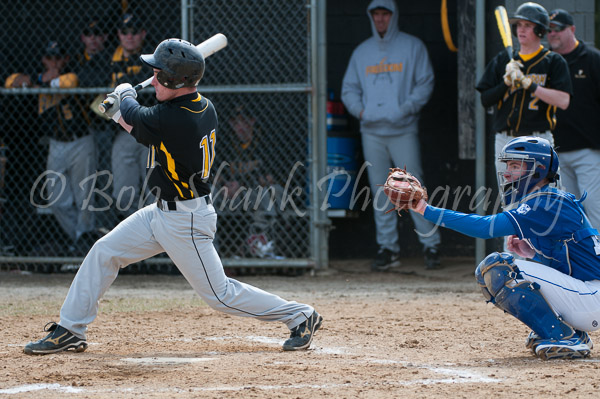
(576, 134)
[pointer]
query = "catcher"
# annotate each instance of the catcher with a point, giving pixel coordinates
(556, 291)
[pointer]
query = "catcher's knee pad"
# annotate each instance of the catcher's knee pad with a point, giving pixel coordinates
(526, 303)
(497, 275)
(494, 272)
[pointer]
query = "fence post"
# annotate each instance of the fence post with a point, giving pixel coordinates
(319, 221)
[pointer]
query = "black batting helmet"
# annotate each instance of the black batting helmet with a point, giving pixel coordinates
(535, 13)
(181, 64)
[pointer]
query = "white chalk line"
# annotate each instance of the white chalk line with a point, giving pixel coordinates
(268, 341)
(39, 387)
(459, 374)
(167, 360)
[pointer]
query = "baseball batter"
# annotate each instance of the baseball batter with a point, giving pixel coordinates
(525, 91)
(181, 132)
(557, 292)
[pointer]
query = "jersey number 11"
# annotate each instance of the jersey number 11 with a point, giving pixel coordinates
(208, 152)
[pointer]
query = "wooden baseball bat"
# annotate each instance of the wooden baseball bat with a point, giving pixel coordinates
(207, 48)
(504, 29)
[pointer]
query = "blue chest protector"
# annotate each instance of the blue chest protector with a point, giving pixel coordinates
(557, 228)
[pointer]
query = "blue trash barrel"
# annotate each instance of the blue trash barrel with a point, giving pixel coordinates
(342, 166)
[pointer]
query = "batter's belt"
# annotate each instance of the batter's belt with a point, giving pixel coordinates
(184, 206)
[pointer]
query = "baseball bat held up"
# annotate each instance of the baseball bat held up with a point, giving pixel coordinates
(504, 29)
(207, 48)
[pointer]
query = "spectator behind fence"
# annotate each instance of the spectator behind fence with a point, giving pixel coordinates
(71, 162)
(576, 134)
(246, 185)
(129, 158)
(388, 81)
(93, 66)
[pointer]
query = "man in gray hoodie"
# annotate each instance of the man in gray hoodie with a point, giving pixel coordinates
(388, 80)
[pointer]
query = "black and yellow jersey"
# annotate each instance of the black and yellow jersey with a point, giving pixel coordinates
(181, 134)
(128, 69)
(517, 110)
(64, 117)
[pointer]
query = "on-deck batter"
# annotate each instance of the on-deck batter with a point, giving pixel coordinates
(526, 107)
(181, 132)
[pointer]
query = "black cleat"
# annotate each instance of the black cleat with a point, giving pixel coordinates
(302, 336)
(432, 259)
(384, 260)
(60, 339)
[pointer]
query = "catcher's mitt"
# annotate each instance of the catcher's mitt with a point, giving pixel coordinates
(403, 189)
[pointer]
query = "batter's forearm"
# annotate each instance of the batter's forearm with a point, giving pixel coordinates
(554, 97)
(129, 106)
(124, 125)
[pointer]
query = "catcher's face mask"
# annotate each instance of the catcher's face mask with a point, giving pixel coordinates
(517, 177)
(536, 160)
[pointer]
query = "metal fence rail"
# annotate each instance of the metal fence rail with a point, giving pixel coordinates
(263, 91)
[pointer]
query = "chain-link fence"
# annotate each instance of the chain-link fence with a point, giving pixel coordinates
(67, 175)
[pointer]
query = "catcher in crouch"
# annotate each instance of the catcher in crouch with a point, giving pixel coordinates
(556, 292)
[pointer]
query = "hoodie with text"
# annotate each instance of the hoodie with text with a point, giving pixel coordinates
(390, 78)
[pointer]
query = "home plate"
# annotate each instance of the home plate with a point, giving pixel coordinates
(167, 360)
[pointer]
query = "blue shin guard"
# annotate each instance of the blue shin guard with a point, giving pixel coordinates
(497, 277)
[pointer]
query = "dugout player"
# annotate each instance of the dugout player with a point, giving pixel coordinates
(128, 158)
(576, 134)
(557, 291)
(71, 162)
(181, 132)
(524, 92)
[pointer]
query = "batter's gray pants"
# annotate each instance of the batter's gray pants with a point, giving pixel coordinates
(382, 153)
(187, 237)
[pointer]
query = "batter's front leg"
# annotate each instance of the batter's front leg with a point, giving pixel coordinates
(131, 241)
(187, 239)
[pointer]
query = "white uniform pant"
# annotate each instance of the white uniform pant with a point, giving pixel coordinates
(187, 237)
(576, 301)
(382, 153)
(579, 172)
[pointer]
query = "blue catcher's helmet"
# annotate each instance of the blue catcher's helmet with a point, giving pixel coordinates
(541, 163)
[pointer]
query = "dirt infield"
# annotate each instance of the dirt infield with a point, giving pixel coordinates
(409, 333)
